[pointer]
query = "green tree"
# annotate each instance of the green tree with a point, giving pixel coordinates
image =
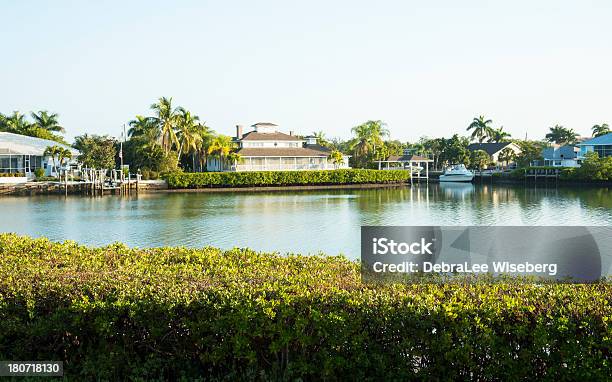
(506, 156)
(599, 130)
(561, 135)
(220, 147)
(96, 151)
(46, 121)
(479, 159)
(188, 133)
(321, 140)
(455, 151)
(499, 135)
(368, 136)
(336, 158)
(166, 119)
(53, 152)
(531, 151)
(481, 128)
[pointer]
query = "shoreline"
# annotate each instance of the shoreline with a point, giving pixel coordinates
(279, 188)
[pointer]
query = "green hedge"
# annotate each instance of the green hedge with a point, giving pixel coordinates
(11, 174)
(115, 313)
(284, 178)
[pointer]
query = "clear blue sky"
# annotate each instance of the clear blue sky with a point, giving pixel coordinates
(424, 67)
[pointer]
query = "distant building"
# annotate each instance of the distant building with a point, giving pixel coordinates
(494, 149)
(559, 156)
(23, 154)
(601, 145)
(266, 148)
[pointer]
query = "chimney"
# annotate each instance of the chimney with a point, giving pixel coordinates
(291, 132)
(238, 131)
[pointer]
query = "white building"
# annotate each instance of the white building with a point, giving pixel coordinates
(265, 148)
(22, 154)
(494, 149)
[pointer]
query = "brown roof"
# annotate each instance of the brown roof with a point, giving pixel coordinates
(264, 124)
(310, 151)
(255, 136)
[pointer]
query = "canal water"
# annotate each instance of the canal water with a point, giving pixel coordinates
(305, 222)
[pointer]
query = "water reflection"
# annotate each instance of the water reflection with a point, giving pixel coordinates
(304, 222)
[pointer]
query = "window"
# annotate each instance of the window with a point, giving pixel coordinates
(603, 150)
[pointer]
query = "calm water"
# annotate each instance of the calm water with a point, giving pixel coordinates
(304, 222)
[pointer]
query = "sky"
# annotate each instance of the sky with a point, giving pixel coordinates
(426, 68)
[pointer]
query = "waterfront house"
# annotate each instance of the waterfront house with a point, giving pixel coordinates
(266, 148)
(559, 156)
(23, 154)
(601, 145)
(494, 149)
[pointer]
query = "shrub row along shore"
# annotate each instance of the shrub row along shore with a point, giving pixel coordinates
(284, 178)
(116, 313)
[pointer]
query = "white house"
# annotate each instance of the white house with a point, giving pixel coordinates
(266, 148)
(23, 154)
(559, 156)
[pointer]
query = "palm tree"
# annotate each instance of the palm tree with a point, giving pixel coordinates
(187, 134)
(46, 121)
(481, 128)
(63, 154)
(142, 126)
(220, 147)
(499, 135)
(506, 156)
(53, 152)
(368, 136)
(599, 130)
(560, 135)
(321, 140)
(336, 158)
(166, 118)
(234, 158)
(16, 123)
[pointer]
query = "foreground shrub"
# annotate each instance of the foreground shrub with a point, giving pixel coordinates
(117, 313)
(284, 178)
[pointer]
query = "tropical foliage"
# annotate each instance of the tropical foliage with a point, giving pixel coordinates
(43, 125)
(561, 135)
(116, 313)
(284, 178)
(481, 129)
(599, 130)
(96, 151)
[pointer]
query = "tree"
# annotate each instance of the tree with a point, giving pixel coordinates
(368, 136)
(599, 130)
(62, 155)
(455, 151)
(96, 151)
(220, 147)
(531, 151)
(53, 152)
(336, 158)
(480, 128)
(506, 156)
(17, 123)
(144, 127)
(479, 159)
(499, 135)
(560, 135)
(320, 138)
(46, 121)
(187, 135)
(166, 118)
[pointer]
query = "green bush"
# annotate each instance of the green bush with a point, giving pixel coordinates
(115, 313)
(39, 172)
(284, 178)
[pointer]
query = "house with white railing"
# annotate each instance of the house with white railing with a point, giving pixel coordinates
(266, 148)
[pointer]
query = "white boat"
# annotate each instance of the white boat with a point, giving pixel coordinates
(457, 173)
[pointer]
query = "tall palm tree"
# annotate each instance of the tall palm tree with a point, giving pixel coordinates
(481, 128)
(368, 136)
(321, 140)
(166, 118)
(499, 135)
(16, 123)
(560, 135)
(599, 130)
(206, 138)
(142, 126)
(187, 133)
(46, 121)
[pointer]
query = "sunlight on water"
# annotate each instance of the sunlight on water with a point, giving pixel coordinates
(300, 222)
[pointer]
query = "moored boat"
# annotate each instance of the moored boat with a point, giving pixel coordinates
(457, 173)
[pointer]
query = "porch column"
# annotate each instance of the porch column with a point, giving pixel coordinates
(295, 163)
(379, 165)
